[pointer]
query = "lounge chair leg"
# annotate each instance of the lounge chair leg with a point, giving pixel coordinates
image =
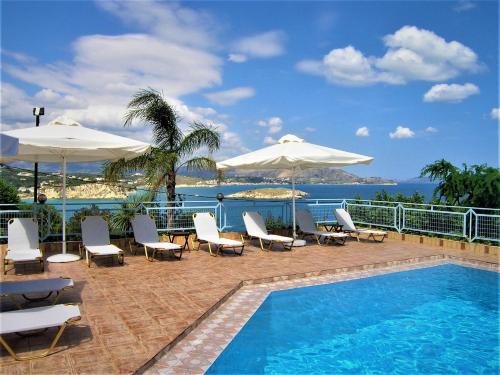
(261, 244)
(210, 250)
(45, 353)
(241, 252)
(121, 259)
(146, 253)
(180, 255)
(317, 240)
(87, 258)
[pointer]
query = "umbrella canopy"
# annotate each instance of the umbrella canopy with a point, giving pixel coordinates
(64, 140)
(292, 152)
(8, 145)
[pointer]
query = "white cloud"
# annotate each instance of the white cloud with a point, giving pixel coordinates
(412, 54)
(402, 132)
(170, 21)
(273, 124)
(363, 132)
(231, 96)
(453, 93)
(495, 113)
(237, 57)
(431, 129)
(269, 140)
(170, 49)
(264, 45)
(309, 129)
(463, 6)
(18, 56)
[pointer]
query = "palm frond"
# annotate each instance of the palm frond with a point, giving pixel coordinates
(150, 106)
(115, 170)
(200, 135)
(199, 163)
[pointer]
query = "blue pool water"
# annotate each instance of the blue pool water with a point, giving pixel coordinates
(436, 320)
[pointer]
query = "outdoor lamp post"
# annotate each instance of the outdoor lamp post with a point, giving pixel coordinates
(37, 112)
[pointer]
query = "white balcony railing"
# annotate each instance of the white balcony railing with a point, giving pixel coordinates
(468, 223)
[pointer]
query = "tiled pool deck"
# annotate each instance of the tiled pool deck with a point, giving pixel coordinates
(133, 315)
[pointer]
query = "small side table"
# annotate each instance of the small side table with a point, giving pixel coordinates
(185, 234)
(333, 227)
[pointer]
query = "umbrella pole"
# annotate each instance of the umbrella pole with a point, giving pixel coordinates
(293, 204)
(64, 207)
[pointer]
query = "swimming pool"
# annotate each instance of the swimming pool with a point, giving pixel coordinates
(441, 319)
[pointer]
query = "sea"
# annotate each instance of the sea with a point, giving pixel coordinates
(315, 191)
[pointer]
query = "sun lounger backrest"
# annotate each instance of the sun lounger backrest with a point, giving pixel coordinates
(344, 219)
(205, 225)
(144, 229)
(254, 224)
(95, 231)
(22, 234)
(305, 221)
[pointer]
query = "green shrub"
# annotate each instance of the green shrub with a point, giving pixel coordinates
(8, 193)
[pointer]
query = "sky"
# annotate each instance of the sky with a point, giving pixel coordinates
(405, 82)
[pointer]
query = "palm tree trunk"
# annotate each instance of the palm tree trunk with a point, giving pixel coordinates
(170, 189)
(170, 186)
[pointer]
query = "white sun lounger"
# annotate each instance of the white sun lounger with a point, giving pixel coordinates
(27, 288)
(35, 319)
(308, 227)
(207, 232)
(23, 244)
(344, 219)
(146, 234)
(256, 228)
(95, 239)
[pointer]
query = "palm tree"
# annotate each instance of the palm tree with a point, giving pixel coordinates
(173, 149)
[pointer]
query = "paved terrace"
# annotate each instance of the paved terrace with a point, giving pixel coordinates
(131, 312)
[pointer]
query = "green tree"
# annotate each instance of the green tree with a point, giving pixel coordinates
(173, 149)
(8, 193)
(477, 185)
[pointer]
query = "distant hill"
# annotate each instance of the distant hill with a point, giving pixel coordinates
(418, 180)
(321, 175)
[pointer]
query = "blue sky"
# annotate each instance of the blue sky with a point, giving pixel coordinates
(404, 82)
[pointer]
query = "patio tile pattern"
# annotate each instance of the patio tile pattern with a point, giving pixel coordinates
(135, 312)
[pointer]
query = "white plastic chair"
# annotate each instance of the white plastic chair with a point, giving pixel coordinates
(256, 228)
(95, 240)
(308, 227)
(344, 219)
(206, 231)
(38, 318)
(146, 234)
(23, 244)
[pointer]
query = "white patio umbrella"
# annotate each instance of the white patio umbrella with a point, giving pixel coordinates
(66, 141)
(294, 153)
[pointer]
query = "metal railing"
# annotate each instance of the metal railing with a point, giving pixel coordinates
(468, 223)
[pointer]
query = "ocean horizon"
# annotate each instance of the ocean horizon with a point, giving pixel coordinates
(315, 191)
